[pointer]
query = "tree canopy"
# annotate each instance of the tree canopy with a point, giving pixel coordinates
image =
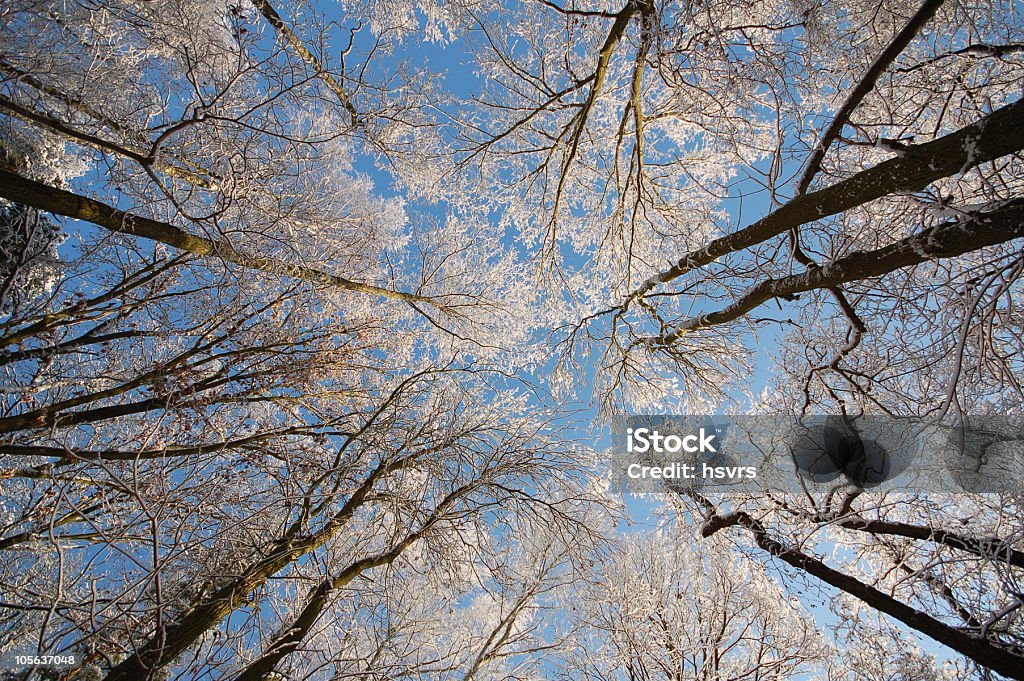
(314, 316)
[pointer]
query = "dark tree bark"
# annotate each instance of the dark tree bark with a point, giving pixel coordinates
(982, 651)
(946, 240)
(173, 640)
(996, 135)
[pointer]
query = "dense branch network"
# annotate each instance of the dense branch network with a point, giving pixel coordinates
(213, 465)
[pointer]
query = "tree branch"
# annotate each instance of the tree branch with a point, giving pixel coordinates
(15, 188)
(946, 240)
(275, 20)
(72, 455)
(866, 85)
(995, 549)
(980, 650)
(996, 135)
(163, 647)
(144, 159)
(975, 49)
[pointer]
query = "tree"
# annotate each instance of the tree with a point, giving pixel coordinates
(317, 336)
(194, 436)
(190, 459)
(643, 137)
(662, 608)
(642, 134)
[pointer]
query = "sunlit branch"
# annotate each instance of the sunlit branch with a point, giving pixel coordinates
(60, 202)
(293, 41)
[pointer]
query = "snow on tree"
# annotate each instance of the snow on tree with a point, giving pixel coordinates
(298, 330)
